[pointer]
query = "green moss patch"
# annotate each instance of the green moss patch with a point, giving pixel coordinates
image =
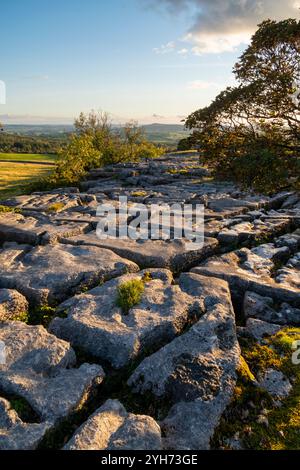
(254, 418)
(5, 209)
(56, 207)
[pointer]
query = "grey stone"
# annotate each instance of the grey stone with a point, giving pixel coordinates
(259, 329)
(20, 229)
(39, 368)
(195, 373)
(247, 231)
(171, 254)
(49, 274)
(262, 308)
(251, 270)
(12, 304)
(290, 274)
(16, 435)
(43, 202)
(98, 326)
(112, 428)
(275, 383)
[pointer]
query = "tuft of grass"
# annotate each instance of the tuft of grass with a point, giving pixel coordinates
(56, 207)
(139, 194)
(130, 294)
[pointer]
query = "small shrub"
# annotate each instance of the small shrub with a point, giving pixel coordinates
(130, 294)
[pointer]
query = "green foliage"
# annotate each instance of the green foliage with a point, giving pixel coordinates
(23, 317)
(41, 315)
(96, 144)
(15, 143)
(187, 143)
(74, 161)
(251, 132)
(130, 294)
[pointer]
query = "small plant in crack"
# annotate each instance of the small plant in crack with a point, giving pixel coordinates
(130, 294)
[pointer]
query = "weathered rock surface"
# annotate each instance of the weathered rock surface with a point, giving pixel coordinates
(253, 270)
(17, 435)
(49, 274)
(39, 368)
(12, 304)
(171, 254)
(112, 428)
(259, 329)
(275, 383)
(249, 231)
(20, 229)
(195, 373)
(44, 202)
(97, 325)
(263, 308)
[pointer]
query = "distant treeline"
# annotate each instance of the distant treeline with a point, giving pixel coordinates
(14, 143)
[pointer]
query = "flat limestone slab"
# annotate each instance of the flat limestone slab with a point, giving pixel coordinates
(44, 202)
(151, 253)
(20, 229)
(253, 270)
(50, 274)
(195, 374)
(40, 368)
(98, 326)
(112, 428)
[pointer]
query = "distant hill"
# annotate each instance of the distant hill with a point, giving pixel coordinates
(38, 130)
(165, 134)
(163, 127)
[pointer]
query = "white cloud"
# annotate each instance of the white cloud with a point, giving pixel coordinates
(165, 48)
(184, 51)
(217, 43)
(223, 25)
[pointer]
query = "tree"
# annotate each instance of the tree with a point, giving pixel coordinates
(95, 143)
(74, 161)
(250, 126)
(134, 135)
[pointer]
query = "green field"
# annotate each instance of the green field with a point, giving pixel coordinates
(15, 178)
(32, 157)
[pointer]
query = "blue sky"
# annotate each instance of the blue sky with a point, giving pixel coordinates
(154, 61)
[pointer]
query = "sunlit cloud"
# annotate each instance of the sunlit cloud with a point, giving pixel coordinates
(223, 25)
